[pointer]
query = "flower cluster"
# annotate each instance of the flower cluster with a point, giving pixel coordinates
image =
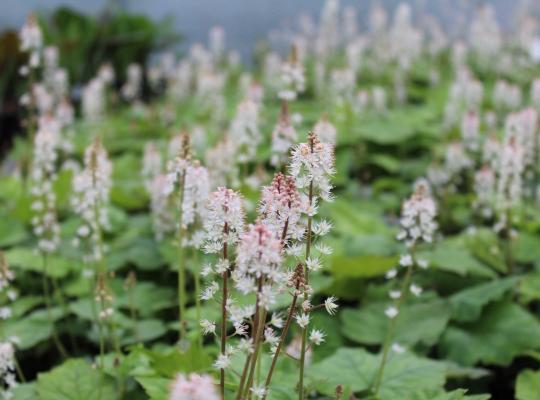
(312, 165)
(31, 40)
(418, 216)
(131, 90)
(258, 264)
(224, 220)
(280, 208)
(283, 137)
(292, 78)
(193, 387)
(44, 220)
(91, 188)
(244, 130)
(7, 347)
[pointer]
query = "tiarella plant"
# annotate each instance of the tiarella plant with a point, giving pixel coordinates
(417, 225)
(209, 253)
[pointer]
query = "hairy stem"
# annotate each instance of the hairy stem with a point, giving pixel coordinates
(280, 344)
(391, 330)
(46, 295)
(257, 346)
(223, 332)
(181, 263)
(306, 275)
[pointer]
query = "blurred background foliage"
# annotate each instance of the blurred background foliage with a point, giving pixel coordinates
(85, 42)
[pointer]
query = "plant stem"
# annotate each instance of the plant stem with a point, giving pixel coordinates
(61, 299)
(133, 313)
(250, 356)
(223, 332)
(391, 329)
(257, 346)
(306, 275)
(181, 262)
(280, 344)
(243, 377)
(47, 297)
(198, 312)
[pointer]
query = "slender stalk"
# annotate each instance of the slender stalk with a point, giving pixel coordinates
(46, 295)
(257, 346)
(19, 370)
(280, 344)
(181, 262)
(61, 299)
(306, 275)
(391, 330)
(507, 244)
(223, 332)
(249, 358)
(198, 311)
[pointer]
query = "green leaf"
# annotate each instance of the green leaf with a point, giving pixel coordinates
(504, 331)
(361, 266)
(156, 387)
(404, 375)
(421, 322)
(528, 385)
(26, 391)
(145, 331)
(529, 287)
(12, 231)
(467, 304)
(168, 363)
(33, 328)
(147, 298)
(456, 258)
(27, 259)
(74, 380)
(484, 246)
(526, 248)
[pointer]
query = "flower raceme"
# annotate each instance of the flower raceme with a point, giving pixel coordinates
(417, 225)
(418, 216)
(259, 258)
(43, 175)
(280, 208)
(312, 165)
(193, 387)
(91, 188)
(224, 219)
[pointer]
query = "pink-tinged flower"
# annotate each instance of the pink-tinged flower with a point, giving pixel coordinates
(162, 214)
(418, 216)
(470, 127)
(244, 130)
(292, 80)
(325, 131)
(484, 187)
(280, 208)
(224, 219)
(510, 180)
(193, 387)
(259, 255)
(93, 99)
(152, 164)
(91, 189)
(31, 39)
(196, 192)
(312, 163)
(491, 151)
(456, 160)
(283, 137)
